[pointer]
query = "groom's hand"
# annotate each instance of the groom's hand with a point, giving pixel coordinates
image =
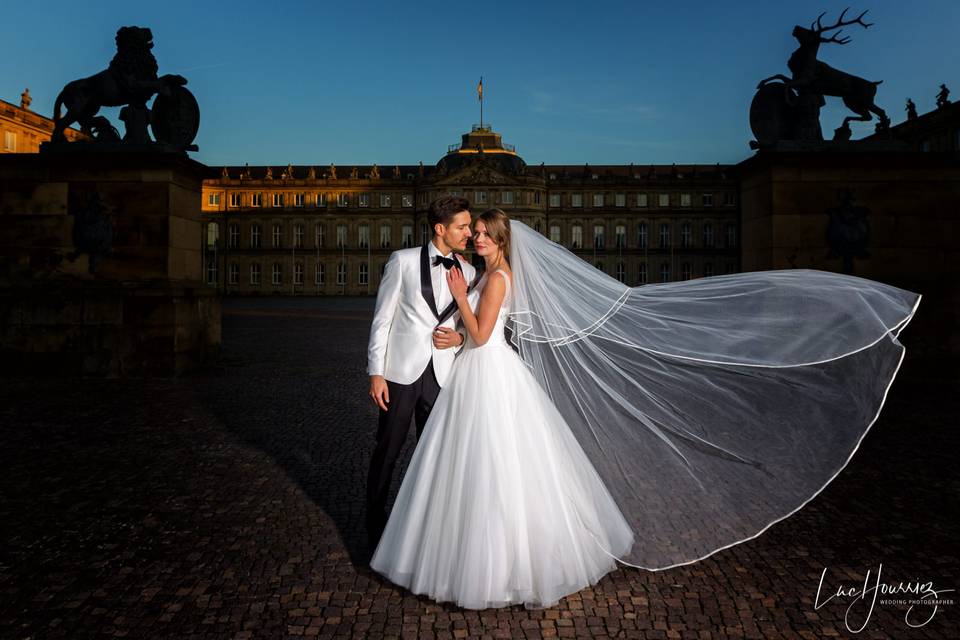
(445, 338)
(379, 391)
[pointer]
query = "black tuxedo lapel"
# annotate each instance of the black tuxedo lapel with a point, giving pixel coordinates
(426, 281)
(446, 313)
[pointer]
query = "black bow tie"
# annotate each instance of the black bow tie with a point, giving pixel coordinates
(448, 263)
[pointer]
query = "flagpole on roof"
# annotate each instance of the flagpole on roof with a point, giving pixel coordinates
(480, 98)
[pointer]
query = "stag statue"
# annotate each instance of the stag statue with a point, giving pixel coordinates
(801, 96)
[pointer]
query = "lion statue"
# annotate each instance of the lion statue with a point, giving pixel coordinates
(131, 79)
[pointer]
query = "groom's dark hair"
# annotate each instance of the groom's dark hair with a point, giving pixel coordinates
(444, 208)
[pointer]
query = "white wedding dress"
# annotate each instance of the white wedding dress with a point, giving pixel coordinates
(499, 504)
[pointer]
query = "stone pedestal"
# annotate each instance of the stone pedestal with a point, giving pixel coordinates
(100, 265)
(909, 200)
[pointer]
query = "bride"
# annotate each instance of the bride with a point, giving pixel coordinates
(652, 425)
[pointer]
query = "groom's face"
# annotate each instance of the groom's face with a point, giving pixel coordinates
(456, 234)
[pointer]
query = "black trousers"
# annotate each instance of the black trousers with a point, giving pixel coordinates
(414, 400)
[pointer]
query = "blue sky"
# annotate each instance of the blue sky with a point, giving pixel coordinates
(395, 82)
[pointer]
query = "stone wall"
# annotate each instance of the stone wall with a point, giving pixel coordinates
(136, 306)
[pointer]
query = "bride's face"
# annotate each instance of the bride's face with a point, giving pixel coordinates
(482, 241)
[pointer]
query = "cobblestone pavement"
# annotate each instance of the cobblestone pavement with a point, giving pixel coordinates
(229, 504)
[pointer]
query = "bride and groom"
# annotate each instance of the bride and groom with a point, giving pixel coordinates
(650, 425)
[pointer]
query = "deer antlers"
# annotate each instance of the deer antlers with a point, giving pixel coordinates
(817, 28)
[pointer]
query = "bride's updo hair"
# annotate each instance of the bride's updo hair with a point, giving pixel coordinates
(498, 228)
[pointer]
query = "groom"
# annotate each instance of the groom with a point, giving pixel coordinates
(409, 356)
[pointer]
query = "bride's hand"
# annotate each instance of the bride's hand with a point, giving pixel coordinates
(457, 284)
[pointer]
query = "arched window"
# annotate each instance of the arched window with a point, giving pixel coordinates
(213, 234)
(642, 235)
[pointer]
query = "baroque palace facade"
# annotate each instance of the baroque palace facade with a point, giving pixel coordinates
(329, 230)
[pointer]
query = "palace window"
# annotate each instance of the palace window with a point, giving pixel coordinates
(480, 197)
(343, 199)
(707, 199)
(213, 234)
(621, 272)
(642, 235)
(10, 141)
(277, 235)
(576, 200)
(235, 199)
(577, 239)
(341, 274)
(598, 236)
(664, 236)
(642, 275)
(255, 236)
(384, 236)
(686, 235)
(598, 199)
(364, 273)
(318, 274)
(641, 199)
(363, 200)
(663, 199)
(621, 236)
(555, 233)
(298, 236)
(686, 271)
(363, 236)
(685, 199)
(406, 200)
(321, 200)
(554, 200)
(298, 273)
(731, 230)
(665, 272)
(708, 235)
(233, 235)
(234, 273)
(341, 236)
(277, 273)
(729, 199)
(407, 233)
(256, 200)
(278, 199)
(506, 197)
(211, 272)
(536, 197)
(620, 200)
(255, 274)
(319, 234)
(213, 199)
(385, 200)
(423, 233)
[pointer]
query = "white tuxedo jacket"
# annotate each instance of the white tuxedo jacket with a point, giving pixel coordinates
(412, 296)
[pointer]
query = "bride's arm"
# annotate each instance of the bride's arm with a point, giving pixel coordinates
(479, 325)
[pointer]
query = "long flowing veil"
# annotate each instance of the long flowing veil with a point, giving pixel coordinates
(711, 408)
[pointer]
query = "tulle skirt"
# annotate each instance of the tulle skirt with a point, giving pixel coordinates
(499, 504)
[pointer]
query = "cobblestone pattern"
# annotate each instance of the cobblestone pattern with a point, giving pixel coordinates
(229, 504)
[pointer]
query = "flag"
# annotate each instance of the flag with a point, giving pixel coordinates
(480, 89)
